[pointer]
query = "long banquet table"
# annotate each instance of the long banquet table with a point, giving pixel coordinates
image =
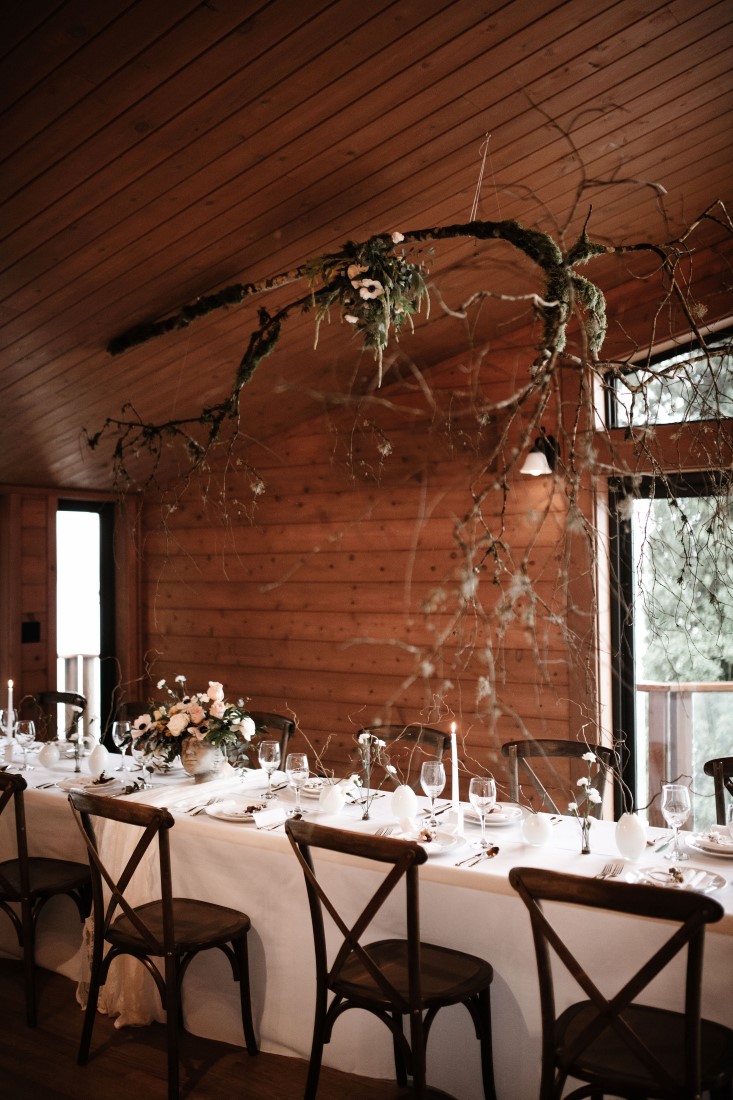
(471, 909)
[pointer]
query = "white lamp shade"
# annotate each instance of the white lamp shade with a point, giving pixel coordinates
(535, 464)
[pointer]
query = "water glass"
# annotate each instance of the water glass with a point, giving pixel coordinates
(297, 771)
(25, 735)
(676, 810)
(482, 796)
(122, 737)
(432, 781)
(269, 757)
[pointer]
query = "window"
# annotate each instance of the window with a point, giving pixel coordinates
(689, 385)
(673, 632)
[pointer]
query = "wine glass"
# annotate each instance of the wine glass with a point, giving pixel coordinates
(122, 737)
(432, 781)
(482, 796)
(297, 771)
(269, 757)
(676, 810)
(25, 735)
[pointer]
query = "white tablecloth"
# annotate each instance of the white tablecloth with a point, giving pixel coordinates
(473, 910)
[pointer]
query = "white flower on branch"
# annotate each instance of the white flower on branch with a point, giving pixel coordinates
(397, 237)
(593, 796)
(370, 288)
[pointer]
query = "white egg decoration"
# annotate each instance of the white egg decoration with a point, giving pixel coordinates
(49, 755)
(404, 803)
(98, 760)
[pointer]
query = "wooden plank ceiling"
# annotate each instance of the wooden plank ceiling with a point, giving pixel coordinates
(154, 152)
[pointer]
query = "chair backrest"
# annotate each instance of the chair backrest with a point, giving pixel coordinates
(11, 794)
(154, 822)
(408, 745)
(520, 753)
(275, 723)
(689, 911)
(403, 859)
(48, 703)
(721, 770)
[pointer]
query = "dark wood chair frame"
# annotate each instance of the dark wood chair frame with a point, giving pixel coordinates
(285, 727)
(389, 978)
(175, 929)
(429, 743)
(46, 700)
(30, 882)
(643, 1036)
(521, 752)
(721, 770)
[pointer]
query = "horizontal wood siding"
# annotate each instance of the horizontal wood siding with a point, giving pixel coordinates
(349, 599)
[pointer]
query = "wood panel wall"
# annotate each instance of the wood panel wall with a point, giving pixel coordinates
(358, 592)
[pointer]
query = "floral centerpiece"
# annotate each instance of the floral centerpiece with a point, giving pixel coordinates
(204, 717)
(590, 797)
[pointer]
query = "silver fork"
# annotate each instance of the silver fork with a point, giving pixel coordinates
(611, 870)
(385, 830)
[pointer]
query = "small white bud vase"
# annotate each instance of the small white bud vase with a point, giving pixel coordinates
(404, 803)
(630, 836)
(536, 829)
(49, 755)
(332, 798)
(98, 760)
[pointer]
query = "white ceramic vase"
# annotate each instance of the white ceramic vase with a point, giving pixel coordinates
(536, 829)
(98, 760)
(49, 755)
(630, 836)
(332, 798)
(404, 803)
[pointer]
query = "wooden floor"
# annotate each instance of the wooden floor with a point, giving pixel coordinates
(129, 1064)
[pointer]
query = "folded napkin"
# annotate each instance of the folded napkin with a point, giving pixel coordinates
(267, 818)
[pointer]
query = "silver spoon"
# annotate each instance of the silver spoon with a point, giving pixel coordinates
(489, 853)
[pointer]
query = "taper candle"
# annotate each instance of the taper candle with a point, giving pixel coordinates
(455, 798)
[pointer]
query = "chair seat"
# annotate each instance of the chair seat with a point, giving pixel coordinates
(47, 876)
(197, 924)
(608, 1059)
(446, 976)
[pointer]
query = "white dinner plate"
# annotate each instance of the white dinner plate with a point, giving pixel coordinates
(698, 879)
(443, 842)
(89, 783)
(709, 847)
(503, 813)
(234, 810)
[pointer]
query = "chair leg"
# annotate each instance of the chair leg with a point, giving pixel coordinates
(172, 1014)
(95, 985)
(241, 954)
(417, 1045)
(314, 1065)
(29, 964)
(485, 1039)
(399, 1057)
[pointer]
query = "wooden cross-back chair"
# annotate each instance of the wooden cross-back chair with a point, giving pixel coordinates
(48, 703)
(408, 745)
(520, 754)
(721, 770)
(174, 929)
(616, 1045)
(390, 978)
(29, 882)
(283, 727)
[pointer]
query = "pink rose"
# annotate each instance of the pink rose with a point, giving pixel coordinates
(196, 714)
(216, 691)
(177, 723)
(218, 709)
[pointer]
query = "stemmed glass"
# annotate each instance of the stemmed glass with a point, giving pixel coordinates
(122, 737)
(269, 757)
(676, 810)
(297, 771)
(432, 781)
(482, 796)
(25, 735)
